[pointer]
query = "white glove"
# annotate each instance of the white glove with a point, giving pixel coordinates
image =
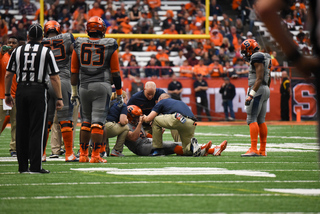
(120, 100)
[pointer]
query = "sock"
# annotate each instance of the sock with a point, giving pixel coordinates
(263, 132)
(254, 131)
(96, 150)
(68, 142)
(103, 147)
(178, 150)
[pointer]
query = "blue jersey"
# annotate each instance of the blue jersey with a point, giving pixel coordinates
(170, 106)
(115, 111)
(140, 100)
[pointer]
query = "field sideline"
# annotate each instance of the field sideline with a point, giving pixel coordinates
(286, 181)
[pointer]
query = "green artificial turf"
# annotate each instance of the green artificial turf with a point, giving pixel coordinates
(292, 159)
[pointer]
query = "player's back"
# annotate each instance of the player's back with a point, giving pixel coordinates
(60, 46)
(263, 58)
(94, 58)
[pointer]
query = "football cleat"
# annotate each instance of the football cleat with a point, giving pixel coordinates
(54, 156)
(262, 153)
(40, 172)
(251, 153)
(205, 148)
(219, 149)
(195, 148)
(83, 159)
(72, 158)
(98, 160)
(13, 154)
(116, 153)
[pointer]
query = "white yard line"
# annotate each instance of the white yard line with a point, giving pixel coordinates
(153, 182)
(140, 196)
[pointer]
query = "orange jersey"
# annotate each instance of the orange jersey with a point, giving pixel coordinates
(190, 8)
(186, 71)
(207, 47)
(95, 12)
(200, 19)
(168, 31)
(201, 69)
(216, 39)
(217, 70)
(126, 56)
(162, 58)
(126, 28)
(4, 30)
(152, 48)
(236, 4)
(154, 3)
(4, 59)
(111, 28)
(45, 12)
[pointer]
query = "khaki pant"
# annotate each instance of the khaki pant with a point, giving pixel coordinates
(168, 121)
(56, 136)
(115, 129)
(13, 114)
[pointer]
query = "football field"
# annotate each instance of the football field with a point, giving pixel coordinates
(286, 181)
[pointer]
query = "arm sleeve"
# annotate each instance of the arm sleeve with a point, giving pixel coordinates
(74, 62)
(12, 62)
(52, 65)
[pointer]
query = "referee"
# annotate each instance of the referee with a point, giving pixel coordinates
(34, 66)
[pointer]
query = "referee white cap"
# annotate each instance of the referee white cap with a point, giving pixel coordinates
(35, 31)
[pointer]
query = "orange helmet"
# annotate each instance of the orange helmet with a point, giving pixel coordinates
(96, 25)
(51, 26)
(134, 112)
(248, 47)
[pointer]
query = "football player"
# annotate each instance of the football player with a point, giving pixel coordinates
(62, 47)
(95, 62)
(258, 95)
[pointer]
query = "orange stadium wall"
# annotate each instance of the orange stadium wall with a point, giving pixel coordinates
(215, 99)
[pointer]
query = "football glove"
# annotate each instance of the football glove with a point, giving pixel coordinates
(120, 100)
(74, 100)
(248, 100)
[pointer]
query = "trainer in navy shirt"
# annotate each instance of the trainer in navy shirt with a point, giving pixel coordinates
(115, 111)
(170, 106)
(147, 98)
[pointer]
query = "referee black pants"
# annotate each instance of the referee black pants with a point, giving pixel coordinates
(31, 133)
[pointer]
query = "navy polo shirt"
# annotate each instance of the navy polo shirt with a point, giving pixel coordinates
(202, 93)
(170, 106)
(115, 111)
(140, 100)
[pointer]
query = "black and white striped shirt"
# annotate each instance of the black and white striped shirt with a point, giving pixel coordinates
(33, 63)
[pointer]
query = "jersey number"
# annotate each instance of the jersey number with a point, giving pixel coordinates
(56, 44)
(87, 51)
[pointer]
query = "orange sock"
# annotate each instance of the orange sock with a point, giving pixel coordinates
(254, 131)
(178, 150)
(211, 151)
(96, 150)
(263, 132)
(103, 147)
(67, 135)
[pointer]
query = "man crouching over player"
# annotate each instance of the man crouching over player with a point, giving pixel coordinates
(176, 115)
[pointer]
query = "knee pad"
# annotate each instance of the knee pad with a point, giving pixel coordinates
(49, 126)
(97, 128)
(66, 126)
(86, 126)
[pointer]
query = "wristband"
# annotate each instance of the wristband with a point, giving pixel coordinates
(59, 99)
(74, 90)
(252, 93)
(7, 95)
(295, 56)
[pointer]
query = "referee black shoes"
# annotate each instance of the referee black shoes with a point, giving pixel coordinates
(42, 171)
